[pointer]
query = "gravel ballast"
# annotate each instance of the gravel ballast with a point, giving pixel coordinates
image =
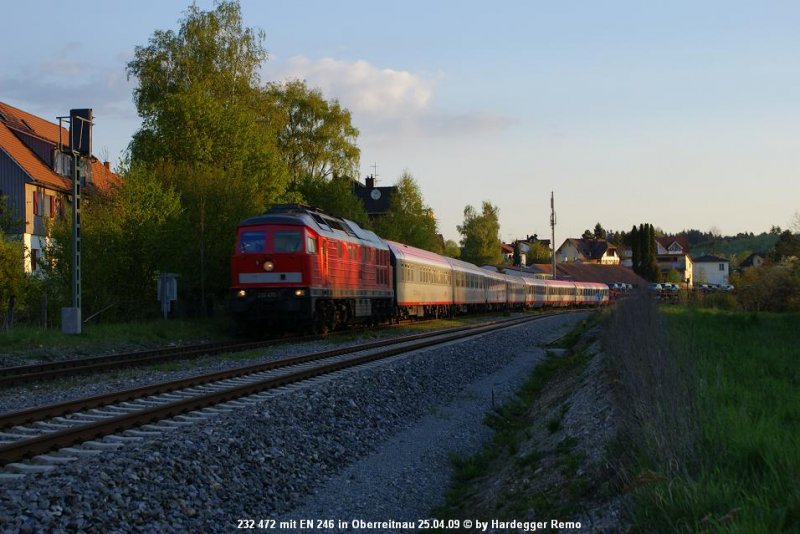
(371, 443)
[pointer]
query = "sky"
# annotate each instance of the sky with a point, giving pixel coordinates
(682, 114)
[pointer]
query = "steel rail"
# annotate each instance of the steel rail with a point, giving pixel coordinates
(38, 372)
(21, 449)
(38, 413)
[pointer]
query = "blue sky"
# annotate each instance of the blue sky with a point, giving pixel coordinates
(681, 114)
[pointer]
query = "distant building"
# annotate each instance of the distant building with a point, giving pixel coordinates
(710, 269)
(36, 176)
(376, 200)
(673, 253)
(587, 251)
(756, 259)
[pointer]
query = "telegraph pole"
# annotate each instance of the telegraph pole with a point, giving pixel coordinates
(553, 231)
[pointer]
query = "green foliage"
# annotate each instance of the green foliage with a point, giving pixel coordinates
(774, 287)
(316, 137)
(749, 405)
(409, 220)
(481, 235)
(11, 273)
(8, 223)
(516, 259)
(538, 253)
(741, 245)
(128, 234)
(642, 241)
(788, 246)
(599, 231)
(334, 196)
(451, 249)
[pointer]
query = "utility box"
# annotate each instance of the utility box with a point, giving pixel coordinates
(166, 290)
(71, 320)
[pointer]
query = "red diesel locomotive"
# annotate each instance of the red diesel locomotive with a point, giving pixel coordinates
(297, 266)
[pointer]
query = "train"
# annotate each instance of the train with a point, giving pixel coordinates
(298, 267)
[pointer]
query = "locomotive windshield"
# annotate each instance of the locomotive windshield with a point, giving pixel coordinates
(288, 241)
(252, 242)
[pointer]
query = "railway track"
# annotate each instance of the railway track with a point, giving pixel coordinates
(135, 414)
(41, 372)
(23, 374)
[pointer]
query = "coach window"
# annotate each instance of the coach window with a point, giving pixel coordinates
(251, 242)
(288, 241)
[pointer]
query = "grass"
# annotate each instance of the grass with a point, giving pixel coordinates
(37, 342)
(746, 382)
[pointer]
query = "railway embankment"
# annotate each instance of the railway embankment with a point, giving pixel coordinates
(550, 463)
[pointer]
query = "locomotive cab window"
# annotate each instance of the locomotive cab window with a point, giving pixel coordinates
(252, 242)
(288, 241)
(311, 245)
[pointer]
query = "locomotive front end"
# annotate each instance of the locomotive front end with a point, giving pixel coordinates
(271, 273)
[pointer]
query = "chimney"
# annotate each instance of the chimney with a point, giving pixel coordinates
(370, 182)
(107, 165)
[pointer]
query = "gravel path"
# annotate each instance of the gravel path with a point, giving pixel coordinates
(408, 475)
(263, 461)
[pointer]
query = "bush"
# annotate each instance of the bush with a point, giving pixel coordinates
(769, 288)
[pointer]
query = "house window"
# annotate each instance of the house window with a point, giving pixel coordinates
(721, 266)
(35, 203)
(34, 258)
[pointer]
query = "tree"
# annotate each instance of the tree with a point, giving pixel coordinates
(316, 137)
(587, 235)
(788, 246)
(451, 249)
(334, 196)
(517, 258)
(11, 277)
(538, 253)
(128, 234)
(409, 220)
(481, 235)
(599, 231)
(196, 91)
(209, 132)
(8, 223)
(636, 250)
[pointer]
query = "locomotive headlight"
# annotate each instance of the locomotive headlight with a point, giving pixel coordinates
(268, 266)
(299, 292)
(241, 293)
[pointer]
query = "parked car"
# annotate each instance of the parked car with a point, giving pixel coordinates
(726, 287)
(655, 287)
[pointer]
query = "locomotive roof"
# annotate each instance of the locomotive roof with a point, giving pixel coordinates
(321, 222)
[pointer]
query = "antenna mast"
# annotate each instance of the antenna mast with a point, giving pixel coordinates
(553, 229)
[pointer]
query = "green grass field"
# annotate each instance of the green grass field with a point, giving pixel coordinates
(37, 342)
(746, 477)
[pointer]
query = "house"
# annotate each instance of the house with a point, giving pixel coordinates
(673, 253)
(710, 269)
(376, 200)
(587, 251)
(36, 176)
(589, 272)
(756, 259)
(508, 252)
